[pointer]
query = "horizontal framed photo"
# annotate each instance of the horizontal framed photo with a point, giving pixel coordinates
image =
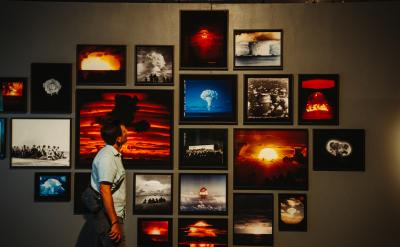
(13, 95)
(101, 65)
(318, 99)
(258, 49)
(339, 149)
(155, 232)
(153, 193)
(81, 182)
(40, 142)
(253, 219)
(202, 232)
(203, 149)
(52, 187)
(154, 65)
(203, 193)
(3, 135)
(292, 212)
(268, 99)
(208, 99)
(273, 159)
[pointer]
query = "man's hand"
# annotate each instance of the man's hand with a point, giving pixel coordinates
(115, 233)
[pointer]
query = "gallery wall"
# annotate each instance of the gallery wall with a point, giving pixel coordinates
(358, 41)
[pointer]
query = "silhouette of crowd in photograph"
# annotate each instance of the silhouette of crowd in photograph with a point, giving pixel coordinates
(203, 155)
(40, 152)
(153, 78)
(154, 200)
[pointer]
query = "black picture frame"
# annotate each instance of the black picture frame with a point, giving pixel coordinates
(194, 188)
(81, 182)
(3, 137)
(318, 101)
(197, 94)
(339, 150)
(51, 88)
(256, 49)
(52, 187)
(154, 65)
(268, 99)
(292, 212)
(14, 97)
(156, 189)
(196, 231)
(204, 39)
(203, 149)
(151, 232)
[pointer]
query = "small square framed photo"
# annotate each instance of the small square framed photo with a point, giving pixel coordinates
(339, 149)
(81, 182)
(101, 65)
(154, 65)
(52, 187)
(153, 193)
(268, 99)
(318, 99)
(292, 212)
(155, 232)
(203, 149)
(202, 232)
(13, 98)
(3, 128)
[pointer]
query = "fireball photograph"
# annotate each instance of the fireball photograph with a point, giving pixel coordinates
(51, 186)
(101, 65)
(202, 193)
(271, 159)
(154, 65)
(292, 212)
(13, 98)
(153, 193)
(154, 232)
(318, 99)
(202, 232)
(147, 114)
(258, 49)
(253, 216)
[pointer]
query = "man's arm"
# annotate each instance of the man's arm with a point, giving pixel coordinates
(106, 195)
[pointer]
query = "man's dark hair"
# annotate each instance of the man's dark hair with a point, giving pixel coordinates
(110, 131)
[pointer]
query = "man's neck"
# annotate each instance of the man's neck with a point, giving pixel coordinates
(117, 147)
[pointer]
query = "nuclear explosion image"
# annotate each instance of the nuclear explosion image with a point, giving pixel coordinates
(154, 232)
(154, 64)
(52, 185)
(13, 92)
(292, 212)
(202, 232)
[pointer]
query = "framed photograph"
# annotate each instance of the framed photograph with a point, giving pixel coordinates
(101, 65)
(52, 187)
(271, 159)
(51, 87)
(40, 142)
(202, 232)
(253, 219)
(268, 99)
(208, 99)
(292, 212)
(339, 149)
(203, 193)
(155, 65)
(153, 193)
(258, 49)
(203, 149)
(319, 99)
(3, 129)
(13, 98)
(148, 115)
(155, 232)
(203, 40)
(81, 182)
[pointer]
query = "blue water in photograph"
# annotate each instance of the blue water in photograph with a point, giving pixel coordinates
(52, 185)
(258, 61)
(208, 98)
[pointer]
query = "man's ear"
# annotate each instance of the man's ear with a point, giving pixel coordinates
(118, 140)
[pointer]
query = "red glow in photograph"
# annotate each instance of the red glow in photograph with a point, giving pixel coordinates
(14, 96)
(202, 233)
(157, 231)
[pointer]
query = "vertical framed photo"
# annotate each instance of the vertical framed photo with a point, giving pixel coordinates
(268, 99)
(155, 232)
(270, 159)
(154, 65)
(202, 232)
(253, 219)
(203, 193)
(318, 99)
(41, 142)
(52, 187)
(258, 49)
(101, 65)
(208, 99)
(203, 40)
(81, 182)
(3, 129)
(51, 87)
(13, 98)
(339, 149)
(203, 149)
(153, 193)
(292, 212)
(148, 115)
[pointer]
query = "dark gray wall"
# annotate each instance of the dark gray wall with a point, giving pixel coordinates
(359, 41)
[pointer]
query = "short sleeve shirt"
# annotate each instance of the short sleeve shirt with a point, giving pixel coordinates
(107, 167)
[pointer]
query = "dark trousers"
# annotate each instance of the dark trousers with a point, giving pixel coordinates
(101, 225)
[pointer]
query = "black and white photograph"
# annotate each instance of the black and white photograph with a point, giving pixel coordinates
(155, 65)
(40, 143)
(52, 187)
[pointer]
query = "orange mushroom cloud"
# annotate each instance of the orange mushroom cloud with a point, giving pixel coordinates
(100, 60)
